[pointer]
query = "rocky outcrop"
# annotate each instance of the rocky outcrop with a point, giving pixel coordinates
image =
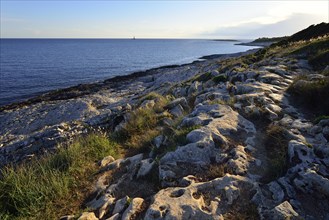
(220, 169)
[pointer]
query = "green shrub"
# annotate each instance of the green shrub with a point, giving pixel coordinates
(203, 77)
(138, 132)
(220, 78)
(313, 95)
(45, 188)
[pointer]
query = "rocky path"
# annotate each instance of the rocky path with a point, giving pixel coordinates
(223, 165)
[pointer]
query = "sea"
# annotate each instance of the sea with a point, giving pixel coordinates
(29, 67)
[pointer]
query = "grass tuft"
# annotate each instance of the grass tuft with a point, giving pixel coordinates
(55, 184)
(276, 144)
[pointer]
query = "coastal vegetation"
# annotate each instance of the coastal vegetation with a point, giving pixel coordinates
(269, 39)
(276, 143)
(54, 184)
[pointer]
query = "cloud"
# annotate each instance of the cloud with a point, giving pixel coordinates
(288, 26)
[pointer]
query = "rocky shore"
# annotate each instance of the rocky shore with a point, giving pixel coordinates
(249, 153)
(40, 123)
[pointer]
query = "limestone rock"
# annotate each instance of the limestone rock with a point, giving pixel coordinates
(299, 151)
(134, 207)
(147, 104)
(179, 101)
(88, 216)
(106, 160)
(282, 212)
(177, 111)
(310, 181)
(239, 163)
(145, 167)
(120, 205)
(158, 141)
(189, 202)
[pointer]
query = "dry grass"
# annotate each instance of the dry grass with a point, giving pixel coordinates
(276, 144)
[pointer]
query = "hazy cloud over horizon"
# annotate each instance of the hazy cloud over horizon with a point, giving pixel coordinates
(289, 26)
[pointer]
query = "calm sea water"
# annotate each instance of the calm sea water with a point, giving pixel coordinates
(32, 66)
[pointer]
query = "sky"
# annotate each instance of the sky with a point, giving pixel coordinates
(158, 19)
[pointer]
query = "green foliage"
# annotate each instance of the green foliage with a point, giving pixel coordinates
(319, 118)
(313, 95)
(44, 187)
(316, 51)
(276, 144)
(220, 78)
(160, 101)
(139, 130)
(204, 77)
(269, 39)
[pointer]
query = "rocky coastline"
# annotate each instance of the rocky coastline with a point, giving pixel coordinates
(236, 114)
(59, 115)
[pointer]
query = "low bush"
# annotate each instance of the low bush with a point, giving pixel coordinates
(219, 78)
(160, 101)
(139, 130)
(313, 95)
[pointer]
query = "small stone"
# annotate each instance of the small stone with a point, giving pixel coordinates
(157, 141)
(106, 160)
(325, 131)
(145, 168)
(134, 207)
(67, 217)
(88, 216)
(177, 111)
(147, 104)
(120, 205)
(314, 130)
(283, 211)
(180, 101)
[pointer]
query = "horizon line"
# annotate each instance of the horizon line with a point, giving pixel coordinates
(123, 38)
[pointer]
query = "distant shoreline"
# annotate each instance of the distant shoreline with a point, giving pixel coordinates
(226, 40)
(259, 44)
